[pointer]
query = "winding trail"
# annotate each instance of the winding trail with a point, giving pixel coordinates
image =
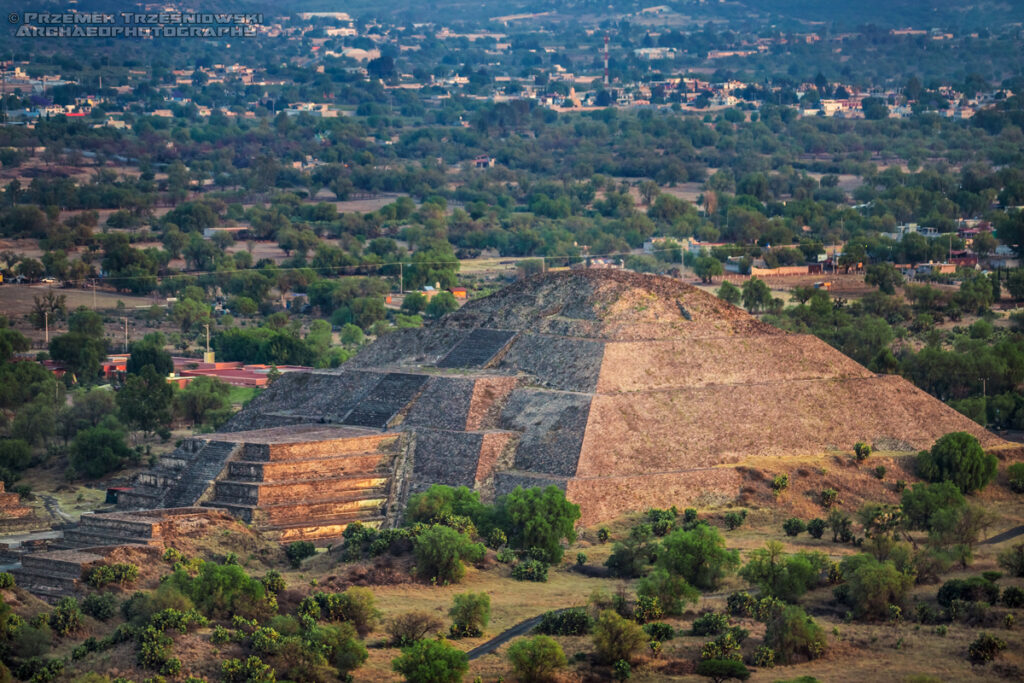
(54, 509)
(520, 629)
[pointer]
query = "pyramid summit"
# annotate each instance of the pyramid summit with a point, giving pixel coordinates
(626, 390)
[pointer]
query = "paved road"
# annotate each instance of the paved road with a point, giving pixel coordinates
(1006, 535)
(520, 629)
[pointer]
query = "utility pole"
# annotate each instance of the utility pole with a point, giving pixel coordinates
(401, 279)
(94, 295)
(207, 338)
(984, 386)
(46, 326)
(125, 334)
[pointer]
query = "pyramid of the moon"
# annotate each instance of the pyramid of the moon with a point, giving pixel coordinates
(626, 390)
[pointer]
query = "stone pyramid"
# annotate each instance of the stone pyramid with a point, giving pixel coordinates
(626, 390)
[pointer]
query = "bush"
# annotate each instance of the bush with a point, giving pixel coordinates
(734, 520)
(571, 622)
(603, 535)
(973, 589)
(121, 573)
(264, 641)
(985, 648)
(530, 570)
(630, 556)
(1015, 474)
(725, 646)
(698, 555)
(710, 624)
(764, 657)
(536, 659)
(100, 606)
(252, 670)
(440, 551)
(1012, 560)
(298, 551)
(861, 451)
(66, 617)
(538, 518)
(741, 604)
(780, 483)
(828, 498)
(6, 580)
(647, 608)
(871, 586)
(660, 631)
(791, 634)
(273, 582)
(672, 592)
(880, 472)
(616, 638)
(816, 527)
(794, 526)
(1013, 597)
(221, 591)
(720, 670)
(783, 576)
(921, 501)
(506, 556)
(405, 629)
(959, 458)
(496, 539)
(431, 661)
(621, 670)
(470, 613)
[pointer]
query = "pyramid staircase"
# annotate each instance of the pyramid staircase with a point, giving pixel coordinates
(181, 478)
(310, 490)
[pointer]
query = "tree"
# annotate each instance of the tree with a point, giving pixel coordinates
(190, 314)
(791, 633)
(707, 268)
(97, 451)
(82, 354)
(150, 352)
(730, 293)
(536, 659)
(872, 585)
(616, 638)
(144, 401)
(413, 303)
(922, 501)
(959, 528)
(698, 555)
(203, 399)
(470, 613)
(440, 551)
(672, 592)
(884, 276)
(756, 295)
(782, 576)
(538, 518)
(959, 458)
(720, 670)
(441, 304)
(874, 108)
(431, 661)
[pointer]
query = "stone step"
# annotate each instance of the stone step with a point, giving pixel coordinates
(364, 462)
(78, 538)
(477, 349)
(305, 511)
(385, 400)
(43, 588)
(116, 526)
(264, 493)
(313, 450)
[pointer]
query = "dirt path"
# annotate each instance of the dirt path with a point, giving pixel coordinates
(520, 629)
(55, 511)
(1005, 536)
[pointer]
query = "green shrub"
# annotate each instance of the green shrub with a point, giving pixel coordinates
(538, 518)
(710, 624)
(252, 670)
(154, 648)
(985, 648)
(66, 617)
(698, 555)
(720, 670)
(1013, 597)
(172, 555)
(440, 552)
(273, 582)
(871, 586)
(630, 556)
(1012, 560)
(764, 657)
(405, 629)
(621, 670)
(741, 604)
(100, 606)
(791, 634)
(661, 521)
(581, 559)
(530, 570)
(959, 458)
(880, 472)
(470, 613)
(828, 498)
(431, 661)
(221, 591)
(496, 539)
(647, 608)
(121, 573)
(780, 483)
(672, 592)
(603, 535)
(355, 606)
(816, 527)
(724, 646)
(660, 631)
(861, 451)
(794, 526)
(1015, 474)
(734, 520)
(570, 622)
(973, 589)
(6, 580)
(921, 501)
(536, 659)
(298, 551)
(783, 576)
(616, 638)
(506, 556)
(221, 635)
